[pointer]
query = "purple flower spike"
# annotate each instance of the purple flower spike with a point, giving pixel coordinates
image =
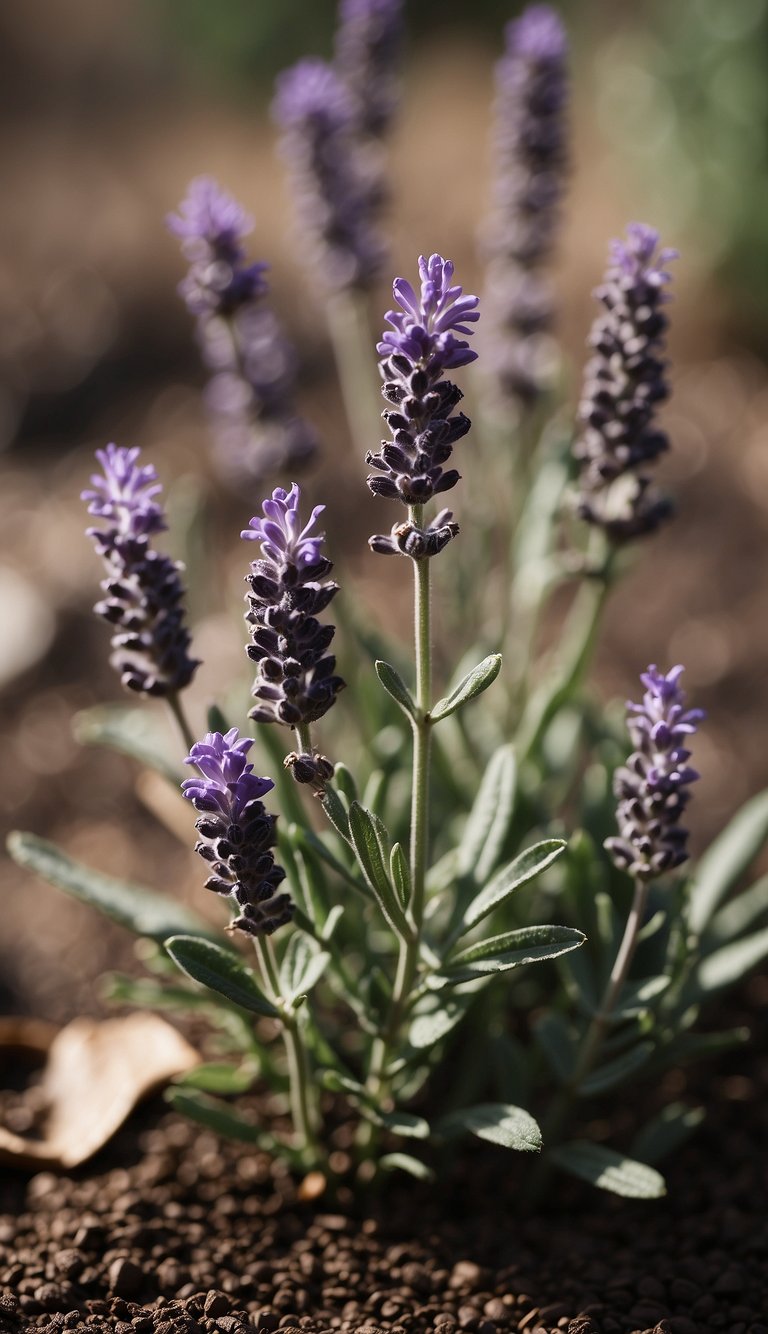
(624, 382)
(336, 186)
(295, 682)
(368, 44)
(530, 152)
(416, 352)
(653, 786)
(142, 591)
(253, 368)
(236, 834)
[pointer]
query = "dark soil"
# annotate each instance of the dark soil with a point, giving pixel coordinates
(170, 1230)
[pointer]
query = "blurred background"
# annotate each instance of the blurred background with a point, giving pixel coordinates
(107, 111)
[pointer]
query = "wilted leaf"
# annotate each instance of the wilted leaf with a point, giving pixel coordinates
(96, 1072)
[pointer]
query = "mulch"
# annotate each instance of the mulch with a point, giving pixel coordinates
(170, 1230)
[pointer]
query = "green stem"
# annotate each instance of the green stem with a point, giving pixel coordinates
(180, 718)
(302, 1111)
(304, 738)
(350, 330)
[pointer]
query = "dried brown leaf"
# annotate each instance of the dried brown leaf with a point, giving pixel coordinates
(95, 1073)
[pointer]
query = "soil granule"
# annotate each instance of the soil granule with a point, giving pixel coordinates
(171, 1231)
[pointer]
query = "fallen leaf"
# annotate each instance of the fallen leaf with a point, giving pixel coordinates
(95, 1073)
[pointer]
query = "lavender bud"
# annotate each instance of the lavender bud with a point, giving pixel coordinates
(336, 186)
(310, 768)
(142, 589)
(368, 45)
(530, 163)
(624, 382)
(653, 786)
(236, 832)
(415, 354)
(251, 394)
(295, 681)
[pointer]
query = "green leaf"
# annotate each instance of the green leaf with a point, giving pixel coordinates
(434, 1019)
(220, 970)
(216, 1116)
(730, 963)
(401, 874)
(609, 1170)
(488, 821)
(615, 1072)
(666, 1132)
(556, 1041)
(636, 997)
(528, 944)
(474, 683)
(311, 845)
(404, 1123)
(395, 686)
(525, 867)
(345, 783)
(334, 809)
(332, 921)
(336, 1082)
(703, 1046)
(727, 859)
(497, 1122)
(129, 731)
(140, 909)
(364, 832)
(302, 966)
(219, 1077)
(737, 916)
(403, 1162)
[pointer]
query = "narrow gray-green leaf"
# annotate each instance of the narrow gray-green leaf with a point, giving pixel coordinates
(557, 1042)
(220, 970)
(219, 1077)
(395, 686)
(335, 810)
(666, 1132)
(609, 1170)
(727, 859)
(529, 944)
(615, 1072)
(730, 963)
(366, 842)
(405, 1123)
(498, 1122)
(401, 875)
(403, 1162)
(130, 731)
(488, 822)
(525, 867)
(302, 966)
(737, 916)
(636, 997)
(435, 1020)
(141, 910)
(474, 683)
(217, 1116)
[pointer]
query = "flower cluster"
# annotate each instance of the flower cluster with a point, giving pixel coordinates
(288, 588)
(236, 833)
(142, 589)
(653, 786)
(336, 186)
(531, 158)
(368, 45)
(251, 394)
(415, 353)
(624, 382)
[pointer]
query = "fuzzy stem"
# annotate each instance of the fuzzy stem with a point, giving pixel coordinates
(180, 718)
(298, 1066)
(304, 738)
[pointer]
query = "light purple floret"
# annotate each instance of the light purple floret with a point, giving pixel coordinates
(636, 257)
(228, 784)
(538, 34)
(282, 538)
(662, 723)
(426, 324)
(311, 90)
(208, 213)
(125, 494)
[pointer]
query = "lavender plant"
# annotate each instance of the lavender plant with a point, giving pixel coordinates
(389, 919)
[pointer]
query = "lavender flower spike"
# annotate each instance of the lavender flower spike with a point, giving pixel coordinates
(236, 834)
(653, 786)
(295, 682)
(530, 150)
(336, 187)
(142, 589)
(623, 383)
(368, 45)
(251, 394)
(416, 351)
